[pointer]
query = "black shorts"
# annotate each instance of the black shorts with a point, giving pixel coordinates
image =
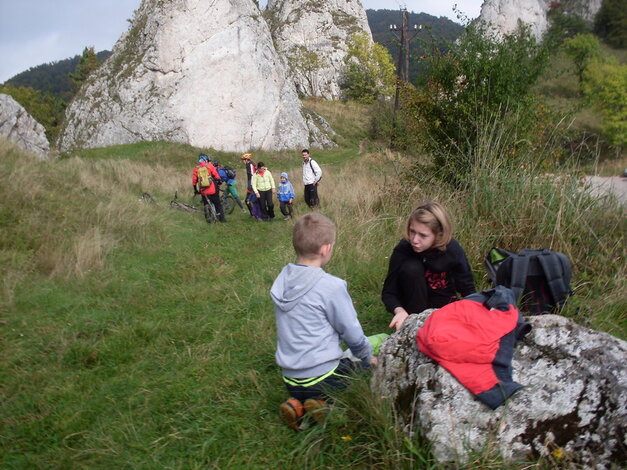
(318, 387)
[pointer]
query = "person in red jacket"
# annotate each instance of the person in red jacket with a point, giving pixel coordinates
(204, 179)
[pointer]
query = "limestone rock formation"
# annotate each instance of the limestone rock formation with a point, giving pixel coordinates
(574, 400)
(21, 128)
(313, 36)
(505, 15)
(194, 71)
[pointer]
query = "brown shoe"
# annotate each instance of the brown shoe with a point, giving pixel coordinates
(292, 411)
(318, 409)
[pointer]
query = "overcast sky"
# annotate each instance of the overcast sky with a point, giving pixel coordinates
(34, 32)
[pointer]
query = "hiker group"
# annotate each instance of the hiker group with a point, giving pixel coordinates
(209, 174)
(428, 268)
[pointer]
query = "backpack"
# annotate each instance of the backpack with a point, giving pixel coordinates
(230, 172)
(540, 279)
(314, 171)
(204, 177)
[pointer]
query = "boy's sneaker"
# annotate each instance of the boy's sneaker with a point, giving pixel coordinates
(292, 411)
(318, 409)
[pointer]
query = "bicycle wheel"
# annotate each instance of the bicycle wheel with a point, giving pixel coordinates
(228, 204)
(210, 213)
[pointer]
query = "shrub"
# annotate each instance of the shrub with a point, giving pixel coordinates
(605, 85)
(482, 80)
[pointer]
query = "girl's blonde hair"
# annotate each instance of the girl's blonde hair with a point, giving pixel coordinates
(434, 216)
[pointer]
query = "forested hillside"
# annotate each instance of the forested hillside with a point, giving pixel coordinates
(53, 77)
(435, 33)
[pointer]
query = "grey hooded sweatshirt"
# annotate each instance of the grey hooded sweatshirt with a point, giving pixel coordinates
(313, 313)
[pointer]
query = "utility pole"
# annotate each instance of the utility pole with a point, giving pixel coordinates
(403, 55)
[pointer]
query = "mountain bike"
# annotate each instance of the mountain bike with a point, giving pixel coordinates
(208, 209)
(227, 201)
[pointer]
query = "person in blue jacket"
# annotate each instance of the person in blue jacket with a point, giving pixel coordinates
(286, 196)
(231, 184)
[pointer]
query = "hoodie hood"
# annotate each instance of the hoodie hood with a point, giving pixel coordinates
(284, 175)
(294, 281)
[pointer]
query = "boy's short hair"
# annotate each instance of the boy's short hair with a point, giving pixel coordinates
(304, 151)
(434, 216)
(312, 231)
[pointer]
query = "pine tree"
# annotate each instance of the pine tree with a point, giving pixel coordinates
(86, 65)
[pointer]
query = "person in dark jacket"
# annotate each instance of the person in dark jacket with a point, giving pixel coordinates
(427, 268)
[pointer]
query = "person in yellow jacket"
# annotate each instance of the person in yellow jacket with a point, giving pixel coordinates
(264, 187)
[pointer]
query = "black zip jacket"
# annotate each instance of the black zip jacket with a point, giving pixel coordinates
(445, 274)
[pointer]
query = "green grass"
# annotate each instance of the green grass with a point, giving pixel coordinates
(135, 336)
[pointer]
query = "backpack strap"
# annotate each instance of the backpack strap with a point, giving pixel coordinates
(557, 272)
(519, 269)
(312, 169)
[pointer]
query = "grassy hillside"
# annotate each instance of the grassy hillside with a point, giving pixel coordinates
(135, 336)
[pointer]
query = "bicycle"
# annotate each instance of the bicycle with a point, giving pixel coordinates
(208, 209)
(227, 201)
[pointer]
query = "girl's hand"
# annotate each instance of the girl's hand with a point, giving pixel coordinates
(399, 318)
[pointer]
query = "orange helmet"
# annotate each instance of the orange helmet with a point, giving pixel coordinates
(246, 156)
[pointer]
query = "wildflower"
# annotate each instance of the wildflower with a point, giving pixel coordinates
(558, 454)
(346, 438)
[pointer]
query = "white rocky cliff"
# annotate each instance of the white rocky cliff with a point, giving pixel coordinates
(505, 15)
(203, 72)
(313, 36)
(19, 127)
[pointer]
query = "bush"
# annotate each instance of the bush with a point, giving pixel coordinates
(482, 81)
(605, 85)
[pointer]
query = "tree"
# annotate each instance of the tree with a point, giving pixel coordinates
(369, 71)
(45, 108)
(611, 23)
(582, 49)
(307, 64)
(605, 85)
(483, 83)
(86, 65)
(563, 25)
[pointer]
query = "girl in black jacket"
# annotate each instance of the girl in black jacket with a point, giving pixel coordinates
(427, 268)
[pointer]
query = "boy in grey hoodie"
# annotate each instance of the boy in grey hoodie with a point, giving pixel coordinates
(313, 313)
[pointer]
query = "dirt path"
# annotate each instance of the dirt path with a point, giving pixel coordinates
(601, 185)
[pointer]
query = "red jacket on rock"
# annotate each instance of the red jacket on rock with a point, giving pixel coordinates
(474, 339)
(209, 190)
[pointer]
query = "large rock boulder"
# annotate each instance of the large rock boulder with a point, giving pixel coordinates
(504, 16)
(203, 73)
(21, 128)
(573, 406)
(313, 36)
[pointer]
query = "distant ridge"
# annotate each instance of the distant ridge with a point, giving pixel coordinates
(52, 77)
